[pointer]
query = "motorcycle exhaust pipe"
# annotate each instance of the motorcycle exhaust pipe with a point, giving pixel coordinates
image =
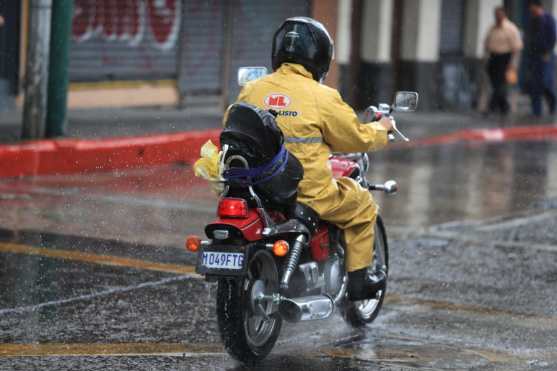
(306, 308)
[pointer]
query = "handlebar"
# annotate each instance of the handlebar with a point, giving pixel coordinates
(375, 114)
(389, 187)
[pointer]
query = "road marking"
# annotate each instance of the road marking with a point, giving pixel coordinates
(417, 353)
(98, 259)
(527, 319)
(109, 349)
(523, 216)
(187, 271)
(517, 222)
(424, 350)
(460, 237)
(143, 285)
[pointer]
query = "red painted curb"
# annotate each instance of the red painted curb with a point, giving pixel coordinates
(66, 156)
(524, 133)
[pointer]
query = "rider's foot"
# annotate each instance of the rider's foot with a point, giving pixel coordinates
(363, 285)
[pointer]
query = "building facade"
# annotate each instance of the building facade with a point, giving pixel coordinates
(158, 52)
(432, 46)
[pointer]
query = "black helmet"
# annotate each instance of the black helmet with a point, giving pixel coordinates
(305, 41)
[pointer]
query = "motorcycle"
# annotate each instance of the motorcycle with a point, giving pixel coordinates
(273, 266)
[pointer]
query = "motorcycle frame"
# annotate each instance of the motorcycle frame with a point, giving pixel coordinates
(260, 231)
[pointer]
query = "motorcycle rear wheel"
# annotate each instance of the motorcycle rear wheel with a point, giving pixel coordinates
(247, 335)
(360, 313)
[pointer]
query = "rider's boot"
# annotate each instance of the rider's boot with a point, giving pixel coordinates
(363, 285)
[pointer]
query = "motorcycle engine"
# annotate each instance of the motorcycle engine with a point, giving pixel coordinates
(314, 278)
(333, 272)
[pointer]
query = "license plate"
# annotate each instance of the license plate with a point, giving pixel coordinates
(222, 260)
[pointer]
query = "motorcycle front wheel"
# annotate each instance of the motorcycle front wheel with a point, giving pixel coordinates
(249, 329)
(360, 313)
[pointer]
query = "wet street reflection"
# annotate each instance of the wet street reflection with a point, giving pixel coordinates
(440, 184)
(93, 273)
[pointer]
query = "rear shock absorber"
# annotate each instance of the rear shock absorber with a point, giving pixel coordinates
(293, 259)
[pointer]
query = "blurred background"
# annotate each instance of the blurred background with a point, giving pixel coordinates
(104, 105)
(184, 54)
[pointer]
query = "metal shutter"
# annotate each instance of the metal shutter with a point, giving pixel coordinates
(124, 39)
(253, 26)
(202, 47)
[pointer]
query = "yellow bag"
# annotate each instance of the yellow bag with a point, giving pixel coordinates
(511, 76)
(208, 166)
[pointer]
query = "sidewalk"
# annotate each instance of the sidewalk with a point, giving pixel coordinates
(111, 139)
(122, 122)
(126, 122)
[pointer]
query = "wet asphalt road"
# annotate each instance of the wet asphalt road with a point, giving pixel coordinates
(93, 275)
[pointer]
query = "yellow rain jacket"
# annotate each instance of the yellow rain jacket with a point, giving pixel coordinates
(316, 121)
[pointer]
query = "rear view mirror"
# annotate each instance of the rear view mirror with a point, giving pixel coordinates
(247, 74)
(406, 101)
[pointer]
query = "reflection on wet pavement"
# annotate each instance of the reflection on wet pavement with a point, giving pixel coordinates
(158, 206)
(69, 255)
(368, 353)
(463, 182)
(119, 293)
(450, 316)
(155, 206)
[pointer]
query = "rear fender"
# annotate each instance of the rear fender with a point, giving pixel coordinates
(249, 228)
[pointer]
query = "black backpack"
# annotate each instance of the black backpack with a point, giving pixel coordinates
(255, 156)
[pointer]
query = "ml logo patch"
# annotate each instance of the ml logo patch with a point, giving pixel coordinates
(277, 100)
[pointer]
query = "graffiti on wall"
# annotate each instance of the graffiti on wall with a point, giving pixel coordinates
(128, 21)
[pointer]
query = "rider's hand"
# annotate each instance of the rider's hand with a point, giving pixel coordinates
(386, 122)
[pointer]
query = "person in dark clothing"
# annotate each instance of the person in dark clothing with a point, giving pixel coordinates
(503, 44)
(539, 58)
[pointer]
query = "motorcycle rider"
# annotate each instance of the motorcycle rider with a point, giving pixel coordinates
(316, 121)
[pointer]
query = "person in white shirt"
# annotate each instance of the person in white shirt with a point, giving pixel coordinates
(503, 45)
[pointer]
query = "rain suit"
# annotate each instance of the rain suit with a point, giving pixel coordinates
(316, 121)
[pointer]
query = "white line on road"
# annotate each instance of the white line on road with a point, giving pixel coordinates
(457, 236)
(32, 308)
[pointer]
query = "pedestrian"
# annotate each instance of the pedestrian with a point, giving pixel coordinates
(539, 60)
(503, 45)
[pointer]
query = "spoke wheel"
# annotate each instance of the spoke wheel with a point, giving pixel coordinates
(249, 328)
(259, 322)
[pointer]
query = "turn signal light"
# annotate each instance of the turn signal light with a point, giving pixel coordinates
(280, 248)
(233, 208)
(193, 243)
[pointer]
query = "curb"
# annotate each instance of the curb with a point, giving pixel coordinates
(517, 133)
(68, 156)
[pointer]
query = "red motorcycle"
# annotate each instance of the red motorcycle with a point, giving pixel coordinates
(274, 263)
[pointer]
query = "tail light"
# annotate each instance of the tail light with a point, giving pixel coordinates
(233, 208)
(193, 243)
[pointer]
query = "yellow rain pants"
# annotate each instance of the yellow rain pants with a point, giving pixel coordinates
(316, 121)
